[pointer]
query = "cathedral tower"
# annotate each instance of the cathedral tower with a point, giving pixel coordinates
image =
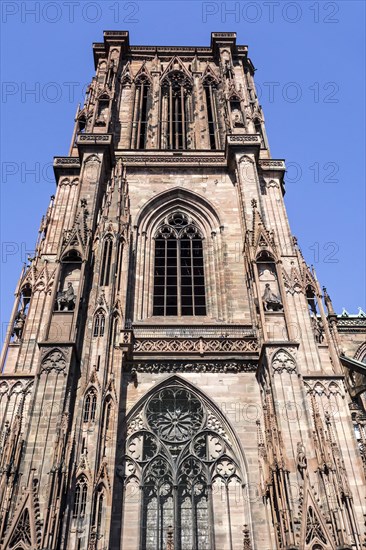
(174, 377)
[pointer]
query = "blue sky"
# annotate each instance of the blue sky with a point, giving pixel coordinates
(310, 61)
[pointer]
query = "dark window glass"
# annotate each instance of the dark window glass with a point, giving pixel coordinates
(106, 262)
(179, 285)
(209, 91)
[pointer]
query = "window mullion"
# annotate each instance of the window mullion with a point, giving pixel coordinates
(179, 279)
(214, 118)
(139, 114)
(183, 118)
(158, 533)
(135, 117)
(192, 276)
(165, 274)
(170, 116)
(176, 122)
(193, 519)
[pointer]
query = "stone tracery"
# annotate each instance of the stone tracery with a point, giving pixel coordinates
(172, 444)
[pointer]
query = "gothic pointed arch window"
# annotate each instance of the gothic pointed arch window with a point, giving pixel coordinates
(187, 465)
(115, 329)
(107, 424)
(80, 498)
(99, 324)
(210, 89)
(176, 111)
(141, 112)
(105, 272)
(90, 406)
(179, 281)
(99, 515)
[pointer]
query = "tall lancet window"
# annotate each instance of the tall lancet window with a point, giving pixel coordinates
(105, 271)
(176, 111)
(141, 112)
(210, 88)
(179, 282)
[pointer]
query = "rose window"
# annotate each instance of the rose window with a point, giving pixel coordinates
(175, 415)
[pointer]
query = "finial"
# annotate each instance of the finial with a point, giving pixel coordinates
(328, 302)
(254, 203)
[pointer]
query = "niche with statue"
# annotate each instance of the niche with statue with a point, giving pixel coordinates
(69, 282)
(21, 316)
(268, 283)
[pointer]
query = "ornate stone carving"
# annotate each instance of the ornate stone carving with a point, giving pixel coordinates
(54, 361)
(174, 414)
(271, 301)
(283, 362)
(166, 160)
(69, 161)
(66, 299)
(272, 164)
(19, 323)
(324, 387)
(91, 170)
(247, 543)
(178, 442)
(318, 329)
(199, 366)
(243, 139)
(94, 138)
(237, 118)
(314, 530)
(195, 346)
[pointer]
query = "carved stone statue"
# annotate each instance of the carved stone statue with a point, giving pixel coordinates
(237, 118)
(271, 301)
(19, 325)
(228, 69)
(102, 114)
(65, 299)
(318, 329)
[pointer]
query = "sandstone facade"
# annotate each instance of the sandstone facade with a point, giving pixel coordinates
(174, 377)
